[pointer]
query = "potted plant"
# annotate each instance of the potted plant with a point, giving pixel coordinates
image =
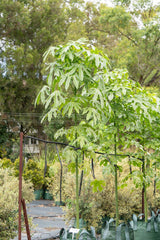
(33, 173)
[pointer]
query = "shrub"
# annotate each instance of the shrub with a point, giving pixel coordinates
(54, 186)
(33, 170)
(6, 163)
(96, 206)
(16, 167)
(93, 205)
(34, 174)
(9, 203)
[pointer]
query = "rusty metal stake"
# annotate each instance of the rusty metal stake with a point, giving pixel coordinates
(61, 173)
(20, 184)
(26, 219)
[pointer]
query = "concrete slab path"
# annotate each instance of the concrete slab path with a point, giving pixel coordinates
(47, 218)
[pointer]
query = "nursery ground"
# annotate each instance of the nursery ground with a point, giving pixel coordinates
(48, 218)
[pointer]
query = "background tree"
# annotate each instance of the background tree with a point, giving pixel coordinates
(129, 36)
(129, 33)
(27, 29)
(137, 35)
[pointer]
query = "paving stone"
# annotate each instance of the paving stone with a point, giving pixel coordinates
(49, 220)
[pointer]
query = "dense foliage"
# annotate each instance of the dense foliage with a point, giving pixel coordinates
(127, 32)
(97, 104)
(115, 109)
(9, 202)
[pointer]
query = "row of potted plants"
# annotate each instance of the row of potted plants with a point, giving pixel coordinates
(32, 172)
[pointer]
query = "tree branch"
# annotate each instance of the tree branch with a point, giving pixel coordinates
(123, 34)
(128, 37)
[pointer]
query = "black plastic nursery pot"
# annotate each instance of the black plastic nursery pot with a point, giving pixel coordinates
(83, 234)
(48, 195)
(144, 232)
(149, 230)
(137, 229)
(58, 203)
(38, 194)
(122, 232)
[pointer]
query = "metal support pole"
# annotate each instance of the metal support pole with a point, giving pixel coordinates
(45, 167)
(20, 183)
(81, 179)
(26, 219)
(143, 200)
(93, 174)
(61, 172)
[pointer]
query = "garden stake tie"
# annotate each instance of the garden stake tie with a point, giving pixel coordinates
(22, 201)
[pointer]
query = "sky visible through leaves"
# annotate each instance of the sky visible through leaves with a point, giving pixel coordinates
(109, 3)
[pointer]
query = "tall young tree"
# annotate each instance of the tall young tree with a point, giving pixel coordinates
(146, 142)
(133, 110)
(76, 74)
(118, 90)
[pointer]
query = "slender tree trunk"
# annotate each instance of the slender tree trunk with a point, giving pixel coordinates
(115, 170)
(81, 178)
(145, 204)
(144, 192)
(144, 177)
(155, 180)
(77, 180)
(116, 181)
(116, 196)
(77, 194)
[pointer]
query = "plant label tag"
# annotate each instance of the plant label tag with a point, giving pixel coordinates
(74, 230)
